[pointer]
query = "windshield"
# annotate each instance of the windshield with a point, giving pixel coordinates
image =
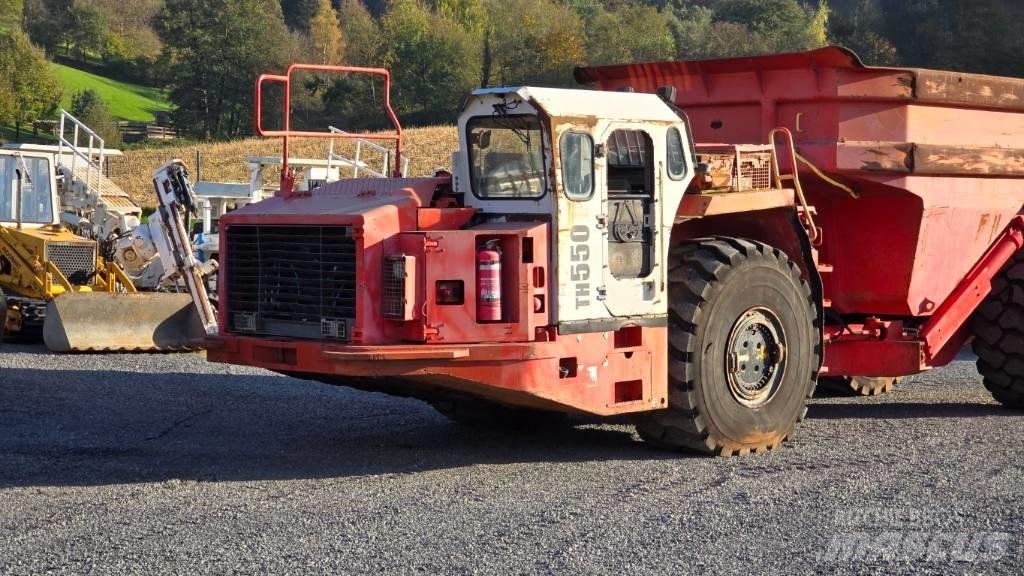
(506, 156)
(37, 198)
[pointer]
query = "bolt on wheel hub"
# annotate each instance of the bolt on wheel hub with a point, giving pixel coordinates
(755, 357)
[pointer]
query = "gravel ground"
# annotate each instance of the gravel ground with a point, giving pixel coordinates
(148, 464)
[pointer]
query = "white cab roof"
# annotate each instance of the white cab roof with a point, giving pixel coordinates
(564, 102)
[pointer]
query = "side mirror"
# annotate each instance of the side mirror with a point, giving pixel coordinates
(667, 94)
(485, 139)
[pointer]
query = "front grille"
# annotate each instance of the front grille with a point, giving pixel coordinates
(75, 260)
(291, 281)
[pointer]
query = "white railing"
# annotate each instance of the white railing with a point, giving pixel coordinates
(357, 164)
(96, 149)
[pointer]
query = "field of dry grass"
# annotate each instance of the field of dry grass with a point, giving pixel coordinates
(426, 148)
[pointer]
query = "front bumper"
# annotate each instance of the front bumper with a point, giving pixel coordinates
(584, 373)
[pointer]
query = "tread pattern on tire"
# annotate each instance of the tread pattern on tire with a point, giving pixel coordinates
(699, 266)
(998, 328)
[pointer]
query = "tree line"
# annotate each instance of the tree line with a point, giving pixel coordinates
(207, 53)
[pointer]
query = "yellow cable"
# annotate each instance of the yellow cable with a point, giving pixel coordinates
(822, 175)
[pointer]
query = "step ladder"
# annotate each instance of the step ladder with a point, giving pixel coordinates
(88, 156)
(805, 212)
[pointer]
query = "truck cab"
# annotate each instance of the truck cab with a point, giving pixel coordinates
(600, 178)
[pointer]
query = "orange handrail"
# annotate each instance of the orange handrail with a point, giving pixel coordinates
(287, 180)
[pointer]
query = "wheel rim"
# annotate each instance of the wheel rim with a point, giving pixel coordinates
(755, 357)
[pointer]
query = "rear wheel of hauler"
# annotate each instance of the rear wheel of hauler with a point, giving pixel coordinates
(998, 328)
(743, 349)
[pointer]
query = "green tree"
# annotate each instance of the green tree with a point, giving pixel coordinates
(630, 34)
(470, 14)
(298, 13)
(88, 31)
(433, 59)
(782, 25)
(215, 50)
(48, 23)
(28, 90)
(533, 42)
(967, 35)
(361, 33)
(11, 13)
(132, 23)
(325, 34)
(89, 107)
(860, 30)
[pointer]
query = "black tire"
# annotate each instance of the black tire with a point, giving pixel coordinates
(857, 385)
(998, 328)
(714, 285)
(478, 413)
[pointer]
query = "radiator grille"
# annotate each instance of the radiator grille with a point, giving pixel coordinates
(291, 281)
(75, 260)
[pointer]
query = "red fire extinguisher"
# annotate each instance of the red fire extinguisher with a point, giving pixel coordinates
(488, 282)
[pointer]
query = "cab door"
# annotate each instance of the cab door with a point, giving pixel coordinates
(580, 228)
(614, 228)
(632, 189)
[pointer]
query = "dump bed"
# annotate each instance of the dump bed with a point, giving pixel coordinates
(935, 157)
(847, 116)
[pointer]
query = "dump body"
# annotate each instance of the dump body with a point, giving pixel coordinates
(936, 158)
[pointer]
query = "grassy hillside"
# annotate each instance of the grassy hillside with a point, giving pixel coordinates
(126, 101)
(426, 148)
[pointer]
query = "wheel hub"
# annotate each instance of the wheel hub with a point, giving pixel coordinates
(755, 357)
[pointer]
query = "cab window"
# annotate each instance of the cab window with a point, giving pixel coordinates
(36, 195)
(506, 157)
(676, 157)
(577, 154)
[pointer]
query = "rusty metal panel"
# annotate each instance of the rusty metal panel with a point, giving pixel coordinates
(968, 160)
(931, 159)
(974, 90)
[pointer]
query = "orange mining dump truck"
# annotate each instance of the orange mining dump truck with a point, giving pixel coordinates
(833, 221)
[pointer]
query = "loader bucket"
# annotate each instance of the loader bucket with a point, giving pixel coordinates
(100, 321)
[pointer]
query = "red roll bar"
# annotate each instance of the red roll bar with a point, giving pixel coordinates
(288, 180)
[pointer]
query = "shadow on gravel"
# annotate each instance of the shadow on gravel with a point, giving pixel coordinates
(899, 410)
(80, 427)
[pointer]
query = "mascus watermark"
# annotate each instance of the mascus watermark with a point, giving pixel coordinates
(911, 535)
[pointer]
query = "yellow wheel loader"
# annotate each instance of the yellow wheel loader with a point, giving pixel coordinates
(57, 284)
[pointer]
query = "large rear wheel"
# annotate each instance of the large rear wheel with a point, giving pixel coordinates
(743, 349)
(998, 328)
